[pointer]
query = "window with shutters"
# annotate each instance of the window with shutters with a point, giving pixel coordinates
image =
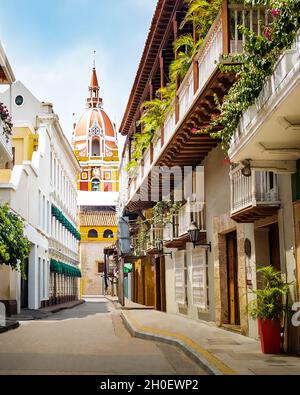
(100, 267)
(199, 269)
(180, 277)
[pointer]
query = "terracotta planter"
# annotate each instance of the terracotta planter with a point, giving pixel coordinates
(269, 332)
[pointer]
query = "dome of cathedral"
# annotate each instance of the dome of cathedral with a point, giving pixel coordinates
(94, 123)
(94, 117)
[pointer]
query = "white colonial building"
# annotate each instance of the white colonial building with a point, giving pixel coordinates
(41, 188)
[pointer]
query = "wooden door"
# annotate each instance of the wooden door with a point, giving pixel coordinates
(297, 241)
(232, 280)
(157, 285)
(274, 246)
(160, 284)
(163, 297)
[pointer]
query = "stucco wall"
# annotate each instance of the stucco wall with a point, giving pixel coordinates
(217, 198)
(92, 281)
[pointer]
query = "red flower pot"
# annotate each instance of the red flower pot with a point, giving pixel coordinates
(269, 332)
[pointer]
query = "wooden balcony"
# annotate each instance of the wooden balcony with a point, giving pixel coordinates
(177, 143)
(176, 233)
(269, 130)
(254, 197)
(156, 234)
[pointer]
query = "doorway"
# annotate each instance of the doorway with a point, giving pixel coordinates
(274, 246)
(160, 285)
(267, 249)
(24, 286)
(297, 241)
(232, 279)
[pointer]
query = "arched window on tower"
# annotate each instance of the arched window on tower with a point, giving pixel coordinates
(93, 234)
(95, 147)
(108, 234)
(96, 185)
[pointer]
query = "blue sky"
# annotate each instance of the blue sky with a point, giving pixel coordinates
(50, 46)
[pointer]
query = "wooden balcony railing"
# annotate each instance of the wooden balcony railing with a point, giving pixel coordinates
(278, 85)
(156, 234)
(191, 212)
(223, 38)
(253, 197)
(171, 231)
(251, 17)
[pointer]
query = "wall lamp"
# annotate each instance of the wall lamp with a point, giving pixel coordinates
(246, 170)
(194, 233)
(159, 244)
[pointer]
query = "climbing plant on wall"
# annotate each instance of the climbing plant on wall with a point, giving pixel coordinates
(201, 14)
(7, 121)
(261, 53)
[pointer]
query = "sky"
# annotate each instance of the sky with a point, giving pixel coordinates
(50, 45)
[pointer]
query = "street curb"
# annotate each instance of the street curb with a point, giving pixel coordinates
(9, 327)
(61, 308)
(140, 332)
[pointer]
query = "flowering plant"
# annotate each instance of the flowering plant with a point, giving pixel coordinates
(255, 65)
(7, 120)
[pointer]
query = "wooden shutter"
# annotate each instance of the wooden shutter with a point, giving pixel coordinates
(199, 278)
(180, 277)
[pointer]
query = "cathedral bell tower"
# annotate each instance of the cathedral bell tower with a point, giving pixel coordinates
(94, 101)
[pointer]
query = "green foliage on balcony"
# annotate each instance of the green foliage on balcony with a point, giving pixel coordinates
(201, 14)
(256, 65)
(161, 216)
(65, 222)
(14, 246)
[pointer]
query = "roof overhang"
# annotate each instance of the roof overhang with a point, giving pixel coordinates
(6, 74)
(161, 22)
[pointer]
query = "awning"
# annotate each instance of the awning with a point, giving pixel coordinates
(63, 268)
(127, 267)
(65, 222)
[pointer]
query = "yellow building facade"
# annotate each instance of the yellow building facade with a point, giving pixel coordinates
(95, 146)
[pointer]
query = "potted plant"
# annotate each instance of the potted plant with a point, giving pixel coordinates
(268, 308)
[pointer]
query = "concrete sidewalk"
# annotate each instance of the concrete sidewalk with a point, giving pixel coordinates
(220, 351)
(129, 305)
(41, 314)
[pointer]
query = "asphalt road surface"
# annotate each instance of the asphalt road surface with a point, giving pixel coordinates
(88, 339)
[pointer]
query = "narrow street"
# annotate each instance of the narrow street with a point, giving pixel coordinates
(88, 339)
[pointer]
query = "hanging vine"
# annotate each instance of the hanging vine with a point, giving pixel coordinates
(201, 14)
(162, 215)
(164, 211)
(261, 52)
